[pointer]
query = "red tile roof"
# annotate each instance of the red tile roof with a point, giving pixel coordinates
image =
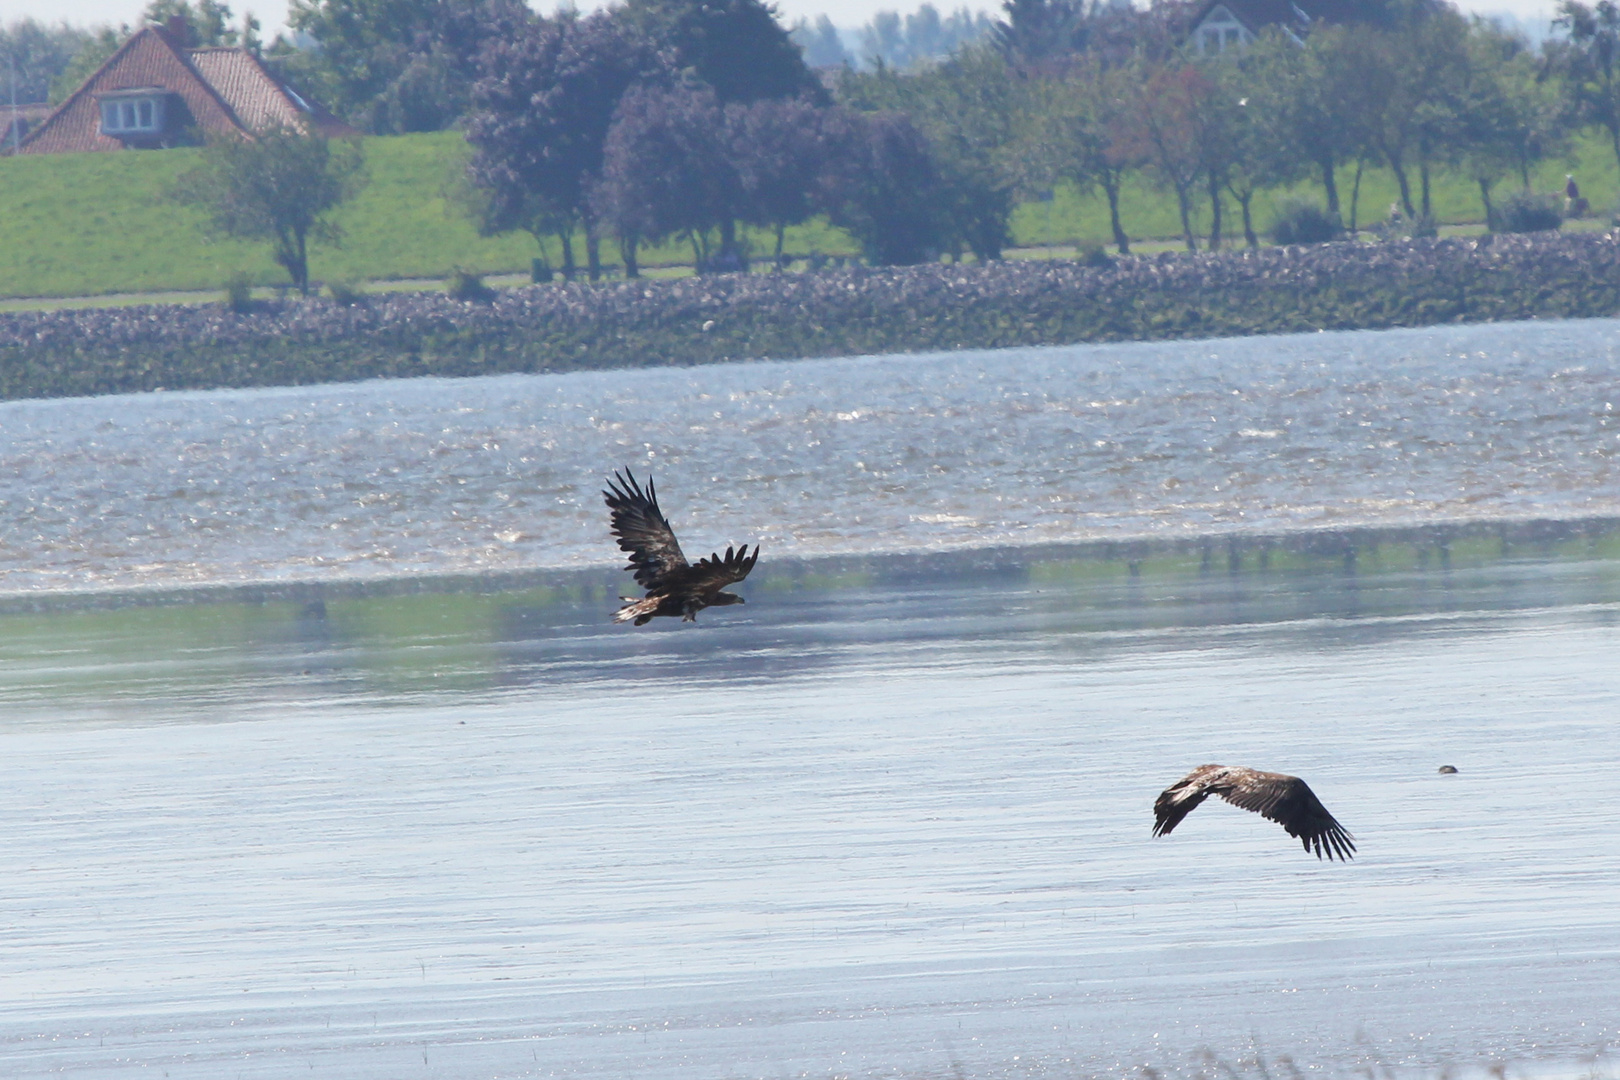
(220, 91)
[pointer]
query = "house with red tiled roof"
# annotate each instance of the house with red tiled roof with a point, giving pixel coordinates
(1218, 25)
(156, 92)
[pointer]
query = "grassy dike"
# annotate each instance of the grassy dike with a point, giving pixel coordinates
(93, 224)
(851, 312)
(77, 225)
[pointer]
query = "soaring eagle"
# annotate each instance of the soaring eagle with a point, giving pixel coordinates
(1283, 799)
(674, 586)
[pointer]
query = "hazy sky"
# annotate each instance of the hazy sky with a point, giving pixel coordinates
(848, 13)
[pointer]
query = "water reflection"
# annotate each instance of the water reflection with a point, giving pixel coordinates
(456, 635)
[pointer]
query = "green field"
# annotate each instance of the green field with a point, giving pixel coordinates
(94, 224)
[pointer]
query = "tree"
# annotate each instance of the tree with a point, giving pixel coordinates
(33, 55)
(393, 66)
(281, 185)
(540, 117)
(1509, 118)
(736, 46)
(969, 109)
(1072, 133)
(919, 38)
(1307, 102)
(1164, 131)
(1219, 127)
(1405, 83)
(884, 187)
(667, 171)
(778, 149)
(207, 23)
(1258, 157)
(1038, 31)
(820, 42)
(97, 49)
(1589, 60)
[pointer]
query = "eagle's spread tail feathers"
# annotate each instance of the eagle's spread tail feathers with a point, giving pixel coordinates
(640, 610)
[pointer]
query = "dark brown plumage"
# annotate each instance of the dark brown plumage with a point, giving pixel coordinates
(1287, 800)
(674, 586)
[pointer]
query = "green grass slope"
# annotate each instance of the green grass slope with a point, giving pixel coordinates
(1149, 212)
(79, 224)
(91, 224)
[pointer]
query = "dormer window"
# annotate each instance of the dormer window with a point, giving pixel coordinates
(1220, 31)
(132, 114)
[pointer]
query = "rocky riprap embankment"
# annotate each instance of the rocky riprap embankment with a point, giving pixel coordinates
(847, 312)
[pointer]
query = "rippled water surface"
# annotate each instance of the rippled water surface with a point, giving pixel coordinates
(891, 818)
(815, 457)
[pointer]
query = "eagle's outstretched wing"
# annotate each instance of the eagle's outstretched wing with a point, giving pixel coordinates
(643, 531)
(1291, 803)
(717, 571)
(1287, 800)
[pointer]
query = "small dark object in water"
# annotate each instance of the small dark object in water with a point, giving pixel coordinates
(1448, 770)
(674, 586)
(1287, 800)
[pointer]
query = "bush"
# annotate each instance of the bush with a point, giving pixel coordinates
(239, 293)
(467, 285)
(1095, 257)
(1525, 211)
(1305, 223)
(346, 293)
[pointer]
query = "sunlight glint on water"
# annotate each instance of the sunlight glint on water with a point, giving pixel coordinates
(816, 457)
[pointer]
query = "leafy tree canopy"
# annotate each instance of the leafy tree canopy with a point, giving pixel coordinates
(736, 46)
(207, 22)
(280, 186)
(33, 55)
(393, 66)
(540, 117)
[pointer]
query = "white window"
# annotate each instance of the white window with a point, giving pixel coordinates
(1220, 31)
(132, 116)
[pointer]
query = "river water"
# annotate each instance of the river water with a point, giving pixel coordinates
(380, 793)
(812, 458)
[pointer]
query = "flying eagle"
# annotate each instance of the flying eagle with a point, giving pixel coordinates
(1283, 799)
(674, 586)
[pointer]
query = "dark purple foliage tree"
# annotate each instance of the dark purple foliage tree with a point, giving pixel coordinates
(667, 172)
(884, 187)
(779, 149)
(540, 120)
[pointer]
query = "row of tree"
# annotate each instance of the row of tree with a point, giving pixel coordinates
(612, 124)
(685, 118)
(619, 125)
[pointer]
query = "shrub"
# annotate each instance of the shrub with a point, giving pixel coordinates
(347, 293)
(239, 293)
(1525, 211)
(1094, 256)
(468, 285)
(1300, 222)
